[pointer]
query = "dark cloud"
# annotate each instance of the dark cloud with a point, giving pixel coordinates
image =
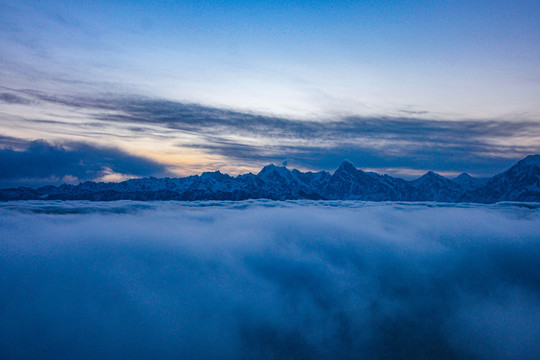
(8, 142)
(414, 112)
(443, 145)
(269, 280)
(41, 163)
(10, 98)
(328, 158)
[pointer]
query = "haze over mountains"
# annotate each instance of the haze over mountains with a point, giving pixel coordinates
(519, 183)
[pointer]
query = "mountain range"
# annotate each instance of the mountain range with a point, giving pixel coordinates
(519, 183)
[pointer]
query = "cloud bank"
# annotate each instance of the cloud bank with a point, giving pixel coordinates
(232, 138)
(39, 162)
(259, 279)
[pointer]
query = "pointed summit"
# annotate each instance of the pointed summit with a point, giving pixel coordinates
(519, 183)
(467, 182)
(463, 176)
(430, 175)
(434, 187)
(267, 169)
(431, 179)
(346, 167)
(277, 177)
(530, 160)
(273, 170)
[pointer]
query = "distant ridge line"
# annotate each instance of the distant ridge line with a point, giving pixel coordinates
(520, 183)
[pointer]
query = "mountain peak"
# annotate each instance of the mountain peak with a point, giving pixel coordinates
(469, 182)
(267, 169)
(271, 169)
(431, 174)
(530, 160)
(463, 176)
(519, 183)
(431, 177)
(346, 166)
(213, 175)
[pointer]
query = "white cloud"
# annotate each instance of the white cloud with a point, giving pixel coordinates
(263, 279)
(109, 175)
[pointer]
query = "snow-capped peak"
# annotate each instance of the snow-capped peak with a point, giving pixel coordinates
(272, 170)
(463, 176)
(346, 167)
(530, 160)
(520, 183)
(430, 176)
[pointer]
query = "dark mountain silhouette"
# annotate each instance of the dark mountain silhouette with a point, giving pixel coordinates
(519, 183)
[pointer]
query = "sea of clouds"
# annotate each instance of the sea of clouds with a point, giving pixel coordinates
(269, 280)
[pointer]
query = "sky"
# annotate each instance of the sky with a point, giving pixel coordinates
(172, 88)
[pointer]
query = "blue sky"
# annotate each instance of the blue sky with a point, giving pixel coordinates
(68, 68)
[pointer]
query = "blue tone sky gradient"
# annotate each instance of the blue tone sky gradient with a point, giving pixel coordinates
(67, 68)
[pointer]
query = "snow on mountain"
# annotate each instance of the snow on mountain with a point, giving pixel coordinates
(315, 181)
(520, 183)
(530, 160)
(349, 183)
(467, 182)
(434, 187)
(284, 184)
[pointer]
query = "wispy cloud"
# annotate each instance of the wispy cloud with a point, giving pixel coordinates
(10, 98)
(483, 147)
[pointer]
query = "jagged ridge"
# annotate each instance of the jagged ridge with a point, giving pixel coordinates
(519, 183)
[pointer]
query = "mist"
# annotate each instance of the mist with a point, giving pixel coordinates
(269, 280)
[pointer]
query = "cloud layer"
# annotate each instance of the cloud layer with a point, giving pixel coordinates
(262, 279)
(40, 163)
(238, 139)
